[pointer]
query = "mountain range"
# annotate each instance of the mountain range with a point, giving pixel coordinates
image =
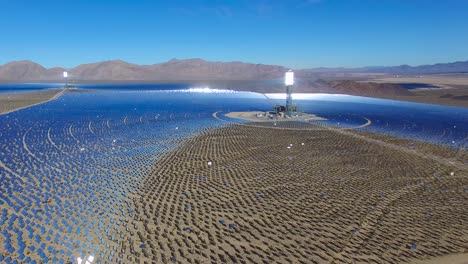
(118, 70)
(198, 69)
(459, 67)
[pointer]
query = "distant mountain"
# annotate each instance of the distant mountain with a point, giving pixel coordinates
(110, 70)
(440, 68)
(198, 69)
(22, 70)
(28, 71)
(117, 70)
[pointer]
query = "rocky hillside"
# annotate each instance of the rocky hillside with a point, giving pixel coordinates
(439, 68)
(117, 70)
(198, 69)
(28, 71)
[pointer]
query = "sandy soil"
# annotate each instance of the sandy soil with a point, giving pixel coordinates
(452, 155)
(435, 97)
(246, 194)
(453, 92)
(450, 259)
(10, 102)
(431, 79)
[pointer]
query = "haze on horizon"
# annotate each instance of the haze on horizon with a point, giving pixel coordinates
(296, 33)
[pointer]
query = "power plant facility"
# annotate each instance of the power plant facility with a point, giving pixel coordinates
(67, 84)
(288, 110)
(65, 77)
(280, 112)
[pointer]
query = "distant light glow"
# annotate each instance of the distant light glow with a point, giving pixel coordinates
(311, 96)
(206, 90)
(65, 74)
(203, 90)
(289, 78)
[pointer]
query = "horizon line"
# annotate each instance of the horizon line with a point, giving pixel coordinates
(234, 61)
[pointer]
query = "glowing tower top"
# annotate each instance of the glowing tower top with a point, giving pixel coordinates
(289, 82)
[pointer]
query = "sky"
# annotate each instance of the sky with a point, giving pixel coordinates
(294, 33)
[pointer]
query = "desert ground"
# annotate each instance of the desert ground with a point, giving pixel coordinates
(453, 89)
(257, 194)
(448, 80)
(14, 101)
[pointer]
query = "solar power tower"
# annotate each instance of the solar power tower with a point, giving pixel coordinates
(289, 82)
(65, 76)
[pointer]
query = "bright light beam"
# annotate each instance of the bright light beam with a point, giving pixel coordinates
(289, 78)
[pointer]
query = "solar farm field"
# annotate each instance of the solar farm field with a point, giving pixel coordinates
(119, 176)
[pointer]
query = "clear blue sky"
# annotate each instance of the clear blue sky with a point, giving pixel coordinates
(293, 33)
